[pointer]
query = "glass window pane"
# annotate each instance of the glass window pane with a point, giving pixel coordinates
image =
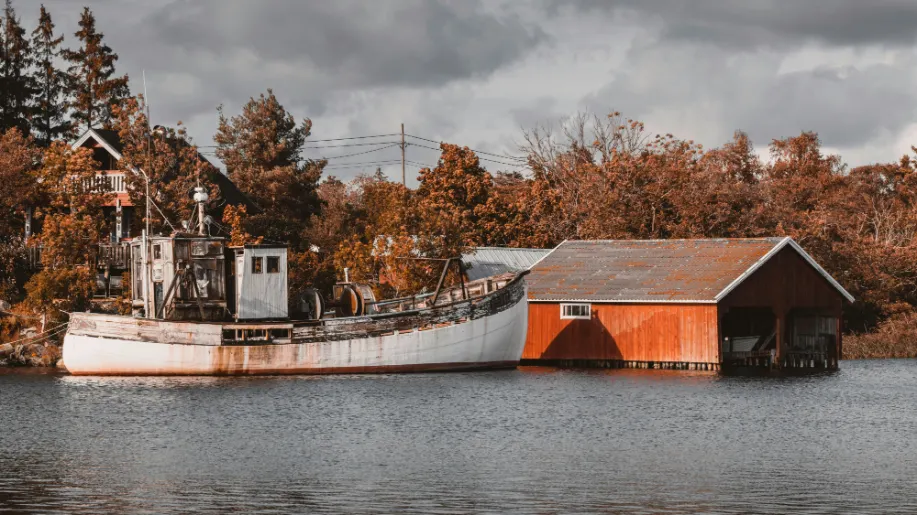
(257, 265)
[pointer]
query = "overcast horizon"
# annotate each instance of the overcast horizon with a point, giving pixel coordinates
(475, 73)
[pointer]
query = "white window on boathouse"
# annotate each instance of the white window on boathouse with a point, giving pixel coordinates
(575, 311)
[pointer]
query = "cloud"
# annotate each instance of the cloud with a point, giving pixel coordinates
(314, 54)
(356, 43)
(350, 65)
(769, 23)
(707, 93)
(473, 72)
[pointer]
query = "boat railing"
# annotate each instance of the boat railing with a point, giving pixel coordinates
(440, 315)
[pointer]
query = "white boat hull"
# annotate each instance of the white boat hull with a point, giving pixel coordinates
(494, 341)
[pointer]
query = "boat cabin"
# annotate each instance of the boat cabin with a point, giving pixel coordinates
(192, 277)
(260, 282)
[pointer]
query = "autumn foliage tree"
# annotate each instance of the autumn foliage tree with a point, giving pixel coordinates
(72, 219)
(234, 218)
(451, 201)
(171, 161)
(19, 158)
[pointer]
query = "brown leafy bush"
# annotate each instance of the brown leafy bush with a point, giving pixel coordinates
(893, 338)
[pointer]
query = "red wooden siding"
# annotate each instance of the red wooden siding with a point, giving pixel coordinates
(786, 281)
(627, 332)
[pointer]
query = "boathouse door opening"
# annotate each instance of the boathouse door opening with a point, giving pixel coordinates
(812, 339)
(748, 336)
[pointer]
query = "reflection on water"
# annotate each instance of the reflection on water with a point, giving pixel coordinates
(534, 440)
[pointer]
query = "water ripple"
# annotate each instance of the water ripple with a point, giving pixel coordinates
(529, 441)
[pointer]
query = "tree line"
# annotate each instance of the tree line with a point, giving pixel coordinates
(594, 176)
(48, 101)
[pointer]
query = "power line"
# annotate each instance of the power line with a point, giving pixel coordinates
(517, 165)
(352, 137)
(504, 156)
(361, 164)
(326, 140)
(353, 144)
(325, 146)
(359, 153)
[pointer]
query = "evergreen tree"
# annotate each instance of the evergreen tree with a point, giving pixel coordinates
(15, 81)
(93, 89)
(49, 107)
(262, 151)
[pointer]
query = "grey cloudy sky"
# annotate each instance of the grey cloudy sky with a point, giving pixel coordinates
(476, 72)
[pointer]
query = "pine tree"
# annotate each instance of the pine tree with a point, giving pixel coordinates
(262, 150)
(15, 81)
(91, 86)
(49, 107)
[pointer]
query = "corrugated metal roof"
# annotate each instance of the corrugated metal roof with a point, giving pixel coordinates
(489, 261)
(653, 270)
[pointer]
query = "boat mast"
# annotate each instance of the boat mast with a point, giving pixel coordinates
(201, 197)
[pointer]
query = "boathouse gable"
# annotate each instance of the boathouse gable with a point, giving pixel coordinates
(683, 304)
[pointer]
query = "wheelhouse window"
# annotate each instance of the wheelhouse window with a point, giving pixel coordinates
(273, 265)
(257, 265)
(157, 251)
(575, 311)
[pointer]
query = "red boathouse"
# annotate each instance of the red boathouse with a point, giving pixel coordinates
(692, 304)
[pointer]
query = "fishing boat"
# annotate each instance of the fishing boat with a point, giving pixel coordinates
(202, 307)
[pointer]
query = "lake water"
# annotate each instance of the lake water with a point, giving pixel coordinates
(523, 441)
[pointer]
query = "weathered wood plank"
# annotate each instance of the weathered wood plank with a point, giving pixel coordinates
(141, 329)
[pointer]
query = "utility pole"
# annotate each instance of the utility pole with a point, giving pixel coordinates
(404, 181)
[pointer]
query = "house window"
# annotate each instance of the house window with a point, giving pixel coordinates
(257, 265)
(273, 265)
(574, 311)
(157, 251)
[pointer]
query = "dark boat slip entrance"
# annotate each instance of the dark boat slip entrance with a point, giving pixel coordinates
(750, 339)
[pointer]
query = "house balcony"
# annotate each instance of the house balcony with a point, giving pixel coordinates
(114, 256)
(111, 181)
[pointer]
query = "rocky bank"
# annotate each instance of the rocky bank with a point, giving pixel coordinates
(42, 354)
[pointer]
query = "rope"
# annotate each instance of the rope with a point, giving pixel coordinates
(42, 335)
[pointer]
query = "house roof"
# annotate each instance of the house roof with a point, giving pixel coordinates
(108, 139)
(484, 262)
(655, 271)
(111, 141)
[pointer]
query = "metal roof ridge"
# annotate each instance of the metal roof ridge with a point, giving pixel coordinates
(774, 239)
(508, 248)
(542, 258)
(626, 301)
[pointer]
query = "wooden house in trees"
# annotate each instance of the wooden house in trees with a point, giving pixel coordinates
(126, 221)
(693, 304)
